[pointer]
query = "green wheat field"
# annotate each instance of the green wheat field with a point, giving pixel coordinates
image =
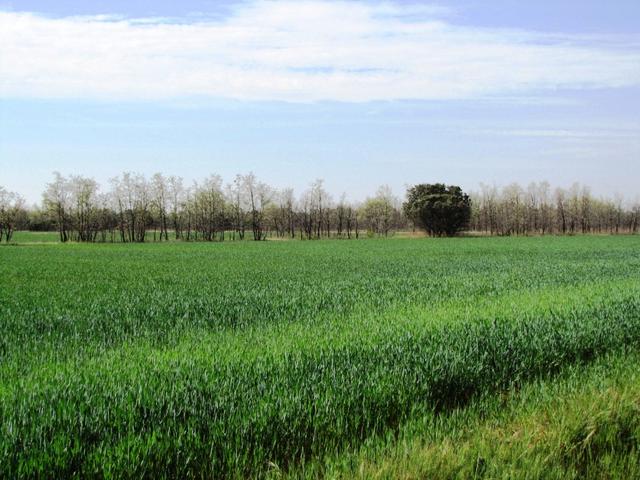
(390, 358)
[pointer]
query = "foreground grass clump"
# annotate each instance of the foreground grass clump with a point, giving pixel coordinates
(584, 424)
(220, 360)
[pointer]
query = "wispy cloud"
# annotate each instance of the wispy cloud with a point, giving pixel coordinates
(299, 51)
(600, 134)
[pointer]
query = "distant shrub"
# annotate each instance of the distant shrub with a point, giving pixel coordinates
(440, 210)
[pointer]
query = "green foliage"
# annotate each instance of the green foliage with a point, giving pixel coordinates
(210, 360)
(440, 210)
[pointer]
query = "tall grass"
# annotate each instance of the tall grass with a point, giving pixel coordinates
(583, 424)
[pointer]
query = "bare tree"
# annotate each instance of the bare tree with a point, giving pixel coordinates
(238, 206)
(561, 208)
(84, 211)
(208, 205)
(259, 195)
(11, 204)
(160, 193)
(281, 214)
(635, 217)
(56, 200)
(132, 197)
(176, 201)
(380, 212)
(341, 215)
(546, 209)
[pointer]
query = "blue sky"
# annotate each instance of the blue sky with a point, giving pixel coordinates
(357, 93)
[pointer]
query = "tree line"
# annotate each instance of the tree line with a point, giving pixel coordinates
(137, 208)
(539, 209)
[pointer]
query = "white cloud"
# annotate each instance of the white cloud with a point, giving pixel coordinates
(298, 51)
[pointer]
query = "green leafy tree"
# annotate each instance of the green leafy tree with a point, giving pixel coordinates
(441, 210)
